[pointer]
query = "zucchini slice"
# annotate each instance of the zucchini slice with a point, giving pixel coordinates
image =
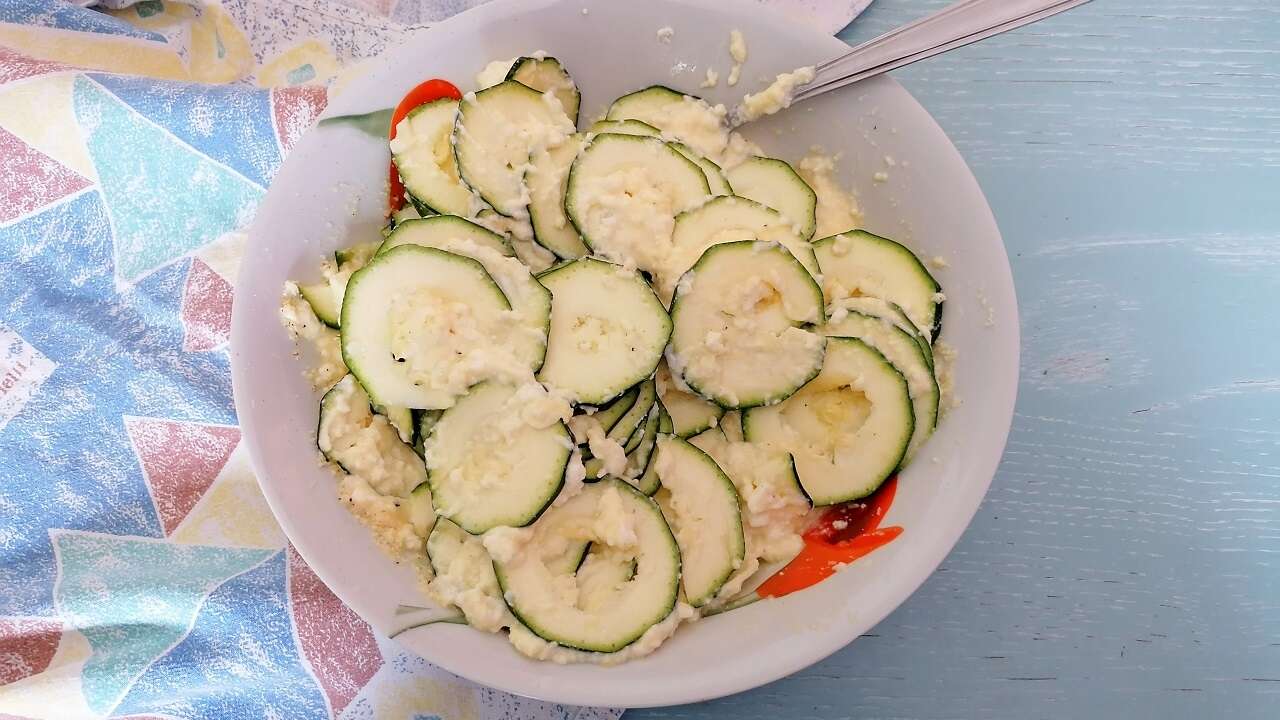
(546, 74)
(604, 571)
(625, 127)
(547, 178)
(623, 193)
(610, 414)
(689, 413)
(848, 429)
(401, 418)
(776, 184)
(901, 350)
(416, 323)
(355, 257)
(683, 117)
(497, 130)
(423, 421)
(323, 302)
(530, 301)
(422, 151)
(737, 338)
(638, 460)
(630, 424)
(701, 505)
(555, 609)
(715, 176)
(487, 467)
(859, 263)
(365, 444)
(607, 333)
(884, 310)
(729, 219)
(434, 231)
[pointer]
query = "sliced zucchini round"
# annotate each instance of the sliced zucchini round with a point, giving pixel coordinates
(613, 516)
(497, 130)
(737, 338)
(683, 117)
(848, 429)
(639, 458)
(530, 301)
(629, 425)
(434, 231)
(610, 414)
(546, 74)
(487, 467)
(401, 418)
(689, 413)
(415, 319)
(365, 444)
(859, 263)
(701, 505)
(901, 350)
(607, 333)
(775, 183)
(623, 193)
(625, 127)
(547, 178)
(728, 219)
(422, 151)
(323, 302)
(604, 572)
(715, 176)
(885, 310)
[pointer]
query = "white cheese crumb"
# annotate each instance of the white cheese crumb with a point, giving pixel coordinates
(738, 51)
(840, 524)
(939, 262)
(712, 79)
(881, 177)
(777, 96)
(665, 34)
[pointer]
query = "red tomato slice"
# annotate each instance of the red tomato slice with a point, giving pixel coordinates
(432, 89)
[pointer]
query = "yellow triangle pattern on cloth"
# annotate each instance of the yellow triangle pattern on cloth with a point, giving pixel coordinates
(40, 112)
(232, 511)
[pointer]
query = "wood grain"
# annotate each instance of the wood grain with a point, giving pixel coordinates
(1126, 563)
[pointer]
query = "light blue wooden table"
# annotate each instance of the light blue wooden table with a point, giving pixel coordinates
(1126, 563)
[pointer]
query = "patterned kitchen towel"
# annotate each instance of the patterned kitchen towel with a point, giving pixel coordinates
(141, 572)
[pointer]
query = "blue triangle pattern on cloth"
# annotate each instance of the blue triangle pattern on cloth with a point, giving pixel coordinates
(65, 459)
(164, 199)
(133, 598)
(240, 659)
(230, 123)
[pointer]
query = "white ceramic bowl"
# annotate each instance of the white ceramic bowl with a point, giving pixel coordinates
(331, 191)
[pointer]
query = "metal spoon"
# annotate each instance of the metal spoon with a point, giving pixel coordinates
(955, 25)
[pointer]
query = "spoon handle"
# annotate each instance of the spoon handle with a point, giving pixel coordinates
(955, 25)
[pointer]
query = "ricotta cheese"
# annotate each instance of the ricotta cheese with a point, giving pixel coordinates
(837, 210)
(325, 342)
(738, 51)
(777, 96)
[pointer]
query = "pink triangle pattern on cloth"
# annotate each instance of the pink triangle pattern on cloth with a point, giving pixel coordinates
(27, 646)
(16, 66)
(295, 110)
(338, 645)
(179, 460)
(29, 179)
(206, 309)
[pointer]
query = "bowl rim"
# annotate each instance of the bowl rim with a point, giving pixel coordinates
(905, 584)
